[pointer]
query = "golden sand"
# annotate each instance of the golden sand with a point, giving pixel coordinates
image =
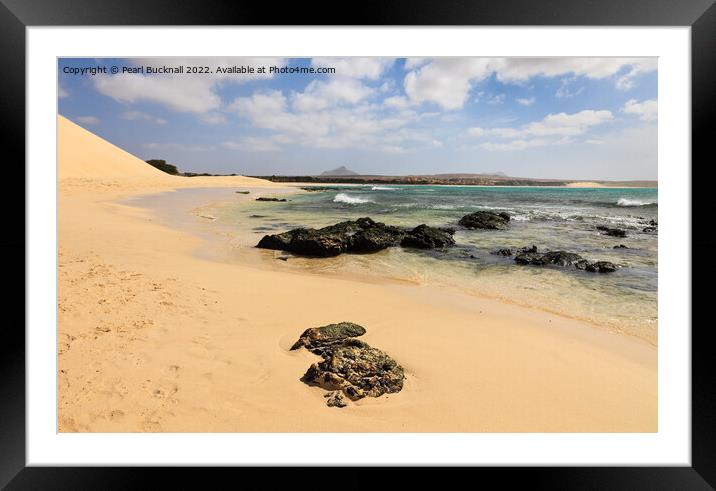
(153, 338)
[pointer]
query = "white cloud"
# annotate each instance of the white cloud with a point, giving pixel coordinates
(183, 94)
(193, 93)
(526, 101)
(387, 86)
(447, 81)
(522, 69)
(626, 81)
(524, 144)
(212, 118)
(646, 110)
(253, 144)
(569, 124)
(564, 91)
(554, 129)
(62, 92)
(320, 95)
(138, 115)
(182, 147)
(498, 99)
(415, 62)
(90, 120)
(367, 68)
(397, 102)
(363, 126)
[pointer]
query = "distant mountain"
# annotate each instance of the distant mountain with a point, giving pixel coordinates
(340, 171)
(500, 174)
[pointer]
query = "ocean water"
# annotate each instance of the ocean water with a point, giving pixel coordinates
(550, 218)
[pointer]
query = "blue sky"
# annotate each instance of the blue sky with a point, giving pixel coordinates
(573, 118)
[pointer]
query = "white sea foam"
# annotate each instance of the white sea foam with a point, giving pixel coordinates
(633, 202)
(383, 188)
(350, 200)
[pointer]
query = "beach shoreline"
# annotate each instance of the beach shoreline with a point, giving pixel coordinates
(221, 242)
(153, 338)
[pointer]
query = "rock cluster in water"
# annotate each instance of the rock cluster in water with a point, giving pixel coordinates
(261, 198)
(530, 256)
(350, 367)
(365, 235)
(612, 232)
(651, 226)
(485, 220)
(356, 236)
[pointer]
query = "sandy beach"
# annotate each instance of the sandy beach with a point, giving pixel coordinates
(154, 338)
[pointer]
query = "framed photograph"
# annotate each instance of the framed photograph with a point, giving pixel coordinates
(451, 236)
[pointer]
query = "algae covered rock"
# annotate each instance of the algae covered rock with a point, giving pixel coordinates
(320, 338)
(563, 258)
(355, 236)
(485, 220)
(424, 237)
(349, 367)
(612, 232)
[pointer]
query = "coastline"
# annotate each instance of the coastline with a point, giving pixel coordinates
(223, 242)
(154, 338)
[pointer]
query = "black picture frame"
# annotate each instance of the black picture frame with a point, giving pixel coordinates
(16, 15)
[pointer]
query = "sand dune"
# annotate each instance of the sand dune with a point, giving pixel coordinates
(83, 157)
(154, 338)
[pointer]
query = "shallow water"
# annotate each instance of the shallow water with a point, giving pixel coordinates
(550, 218)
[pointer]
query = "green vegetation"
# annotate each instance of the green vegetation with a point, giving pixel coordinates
(163, 166)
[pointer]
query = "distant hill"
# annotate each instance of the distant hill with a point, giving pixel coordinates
(340, 171)
(453, 179)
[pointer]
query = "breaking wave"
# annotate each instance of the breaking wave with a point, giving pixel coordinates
(383, 188)
(634, 202)
(350, 200)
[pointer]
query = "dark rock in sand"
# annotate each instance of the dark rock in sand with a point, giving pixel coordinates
(242, 192)
(349, 367)
(335, 399)
(261, 198)
(649, 229)
(323, 243)
(320, 338)
(358, 370)
(620, 246)
(358, 236)
(279, 242)
(485, 220)
(424, 237)
(612, 232)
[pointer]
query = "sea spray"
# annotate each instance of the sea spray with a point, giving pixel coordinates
(350, 200)
(633, 202)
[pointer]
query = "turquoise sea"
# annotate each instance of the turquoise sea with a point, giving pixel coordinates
(549, 218)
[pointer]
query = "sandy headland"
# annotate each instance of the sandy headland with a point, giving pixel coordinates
(155, 337)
